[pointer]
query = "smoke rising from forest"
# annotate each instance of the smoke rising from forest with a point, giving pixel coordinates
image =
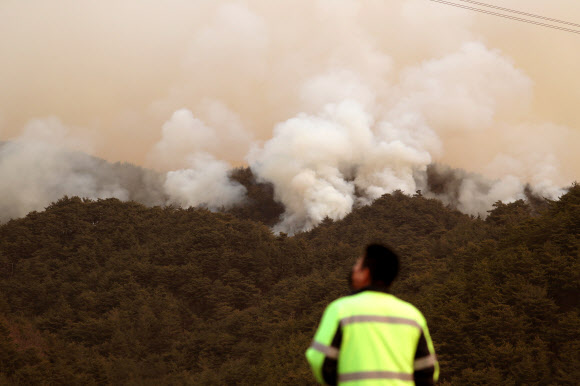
(332, 102)
(46, 163)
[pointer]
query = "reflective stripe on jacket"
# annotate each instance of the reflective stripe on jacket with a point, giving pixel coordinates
(373, 338)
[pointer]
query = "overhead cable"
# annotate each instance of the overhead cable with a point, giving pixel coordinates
(520, 12)
(508, 16)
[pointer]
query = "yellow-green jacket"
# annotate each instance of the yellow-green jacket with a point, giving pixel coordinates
(373, 338)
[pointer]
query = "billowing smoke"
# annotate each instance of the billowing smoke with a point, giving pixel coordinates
(469, 192)
(334, 103)
(205, 183)
(316, 163)
(201, 180)
(46, 163)
(356, 150)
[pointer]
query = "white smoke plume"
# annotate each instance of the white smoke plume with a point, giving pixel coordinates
(204, 184)
(374, 141)
(182, 135)
(465, 91)
(41, 166)
(471, 193)
(46, 162)
(200, 180)
(317, 162)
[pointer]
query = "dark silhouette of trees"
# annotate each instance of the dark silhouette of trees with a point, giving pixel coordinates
(97, 292)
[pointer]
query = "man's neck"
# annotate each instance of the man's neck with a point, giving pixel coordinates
(378, 287)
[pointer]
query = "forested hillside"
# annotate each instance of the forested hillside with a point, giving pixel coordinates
(107, 292)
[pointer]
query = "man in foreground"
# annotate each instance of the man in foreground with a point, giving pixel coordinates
(371, 337)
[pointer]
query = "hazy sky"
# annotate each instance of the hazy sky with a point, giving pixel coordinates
(113, 72)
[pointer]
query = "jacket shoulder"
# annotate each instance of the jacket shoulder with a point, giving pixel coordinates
(371, 302)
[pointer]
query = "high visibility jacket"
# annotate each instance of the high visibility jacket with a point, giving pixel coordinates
(372, 338)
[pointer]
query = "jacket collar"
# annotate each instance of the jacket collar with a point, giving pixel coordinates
(376, 288)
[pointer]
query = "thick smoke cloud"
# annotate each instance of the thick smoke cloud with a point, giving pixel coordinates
(205, 183)
(469, 192)
(333, 102)
(201, 180)
(465, 91)
(317, 162)
(46, 163)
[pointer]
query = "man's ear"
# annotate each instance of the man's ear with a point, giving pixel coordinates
(368, 279)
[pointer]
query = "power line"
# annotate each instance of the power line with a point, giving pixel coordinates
(520, 12)
(507, 16)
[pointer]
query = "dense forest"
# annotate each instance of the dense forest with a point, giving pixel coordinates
(111, 292)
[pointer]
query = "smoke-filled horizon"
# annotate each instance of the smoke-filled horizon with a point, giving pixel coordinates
(333, 102)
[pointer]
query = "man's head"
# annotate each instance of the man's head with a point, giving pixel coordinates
(378, 266)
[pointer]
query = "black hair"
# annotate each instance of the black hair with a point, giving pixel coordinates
(382, 262)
